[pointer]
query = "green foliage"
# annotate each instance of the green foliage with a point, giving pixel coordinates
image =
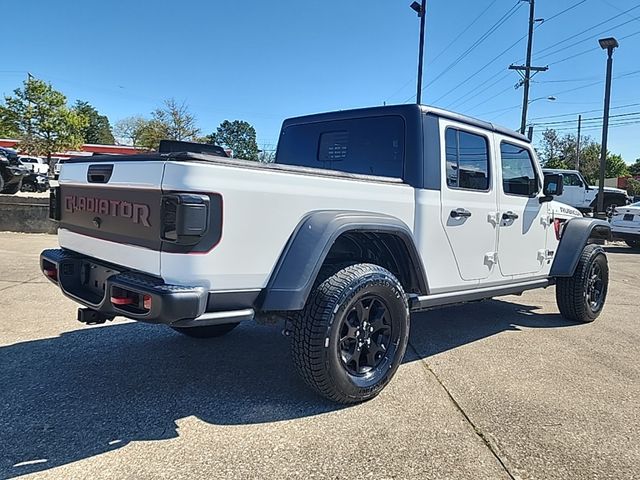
(633, 186)
(237, 135)
(130, 130)
(634, 168)
(41, 119)
(561, 152)
(172, 121)
(98, 129)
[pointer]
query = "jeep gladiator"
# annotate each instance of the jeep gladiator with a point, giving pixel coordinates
(366, 216)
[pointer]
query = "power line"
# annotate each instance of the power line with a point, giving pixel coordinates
(464, 30)
(587, 111)
(475, 93)
(590, 119)
(475, 44)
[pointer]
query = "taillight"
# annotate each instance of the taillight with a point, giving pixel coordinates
(557, 227)
(185, 218)
(52, 273)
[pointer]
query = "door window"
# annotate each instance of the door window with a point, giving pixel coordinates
(467, 160)
(572, 180)
(518, 173)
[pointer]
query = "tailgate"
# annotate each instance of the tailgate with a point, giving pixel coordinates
(118, 205)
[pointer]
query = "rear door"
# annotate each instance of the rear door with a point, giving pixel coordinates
(523, 219)
(111, 211)
(468, 198)
(574, 190)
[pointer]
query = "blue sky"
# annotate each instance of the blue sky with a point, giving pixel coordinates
(264, 61)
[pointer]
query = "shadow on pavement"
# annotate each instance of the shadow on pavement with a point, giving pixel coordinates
(90, 391)
(625, 250)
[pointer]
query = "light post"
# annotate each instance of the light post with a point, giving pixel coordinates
(551, 98)
(421, 10)
(608, 44)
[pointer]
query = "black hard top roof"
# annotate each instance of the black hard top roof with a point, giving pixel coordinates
(405, 110)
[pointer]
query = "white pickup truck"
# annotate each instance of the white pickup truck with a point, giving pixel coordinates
(365, 216)
(579, 194)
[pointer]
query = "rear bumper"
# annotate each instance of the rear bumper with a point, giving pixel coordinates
(113, 291)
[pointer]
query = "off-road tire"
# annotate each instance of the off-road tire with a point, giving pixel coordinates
(317, 349)
(210, 331)
(635, 244)
(14, 188)
(572, 292)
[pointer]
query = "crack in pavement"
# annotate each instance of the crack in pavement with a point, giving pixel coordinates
(478, 431)
(18, 283)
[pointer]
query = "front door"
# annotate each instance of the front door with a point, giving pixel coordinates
(468, 199)
(523, 219)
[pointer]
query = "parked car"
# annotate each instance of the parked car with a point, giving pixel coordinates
(35, 164)
(365, 216)
(11, 171)
(35, 182)
(625, 224)
(579, 194)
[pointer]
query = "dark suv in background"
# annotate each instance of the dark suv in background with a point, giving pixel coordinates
(11, 171)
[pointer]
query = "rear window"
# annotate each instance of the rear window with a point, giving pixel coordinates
(368, 146)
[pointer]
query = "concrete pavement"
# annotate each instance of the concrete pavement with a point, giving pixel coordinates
(501, 389)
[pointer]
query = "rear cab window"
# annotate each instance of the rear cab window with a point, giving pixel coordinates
(366, 146)
(467, 156)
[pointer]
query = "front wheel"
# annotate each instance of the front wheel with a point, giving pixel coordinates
(352, 334)
(582, 296)
(209, 331)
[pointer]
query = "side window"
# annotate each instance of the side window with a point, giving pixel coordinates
(518, 173)
(467, 157)
(572, 180)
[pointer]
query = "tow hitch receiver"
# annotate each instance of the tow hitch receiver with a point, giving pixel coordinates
(92, 317)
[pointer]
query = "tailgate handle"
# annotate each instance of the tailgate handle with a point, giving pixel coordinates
(99, 173)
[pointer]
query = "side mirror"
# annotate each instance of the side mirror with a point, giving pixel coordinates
(553, 186)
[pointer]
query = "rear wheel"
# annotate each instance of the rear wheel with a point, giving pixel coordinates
(635, 244)
(210, 331)
(352, 334)
(582, 296)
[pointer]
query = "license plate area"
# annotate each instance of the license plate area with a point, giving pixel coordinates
(628, 217)
(93, 278)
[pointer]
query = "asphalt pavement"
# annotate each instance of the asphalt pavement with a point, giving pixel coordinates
(498, 389)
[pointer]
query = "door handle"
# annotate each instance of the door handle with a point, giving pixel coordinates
(460, 213)
(509, 215)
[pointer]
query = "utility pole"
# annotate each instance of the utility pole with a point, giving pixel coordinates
(530, 133)
(527, 69)
(421, 10)
(578, 143)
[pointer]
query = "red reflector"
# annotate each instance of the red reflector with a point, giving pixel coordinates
(557, 227)
(121, 300)
(146, 301)
(51, 273)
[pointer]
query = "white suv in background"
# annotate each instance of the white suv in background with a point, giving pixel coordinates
(34, 164)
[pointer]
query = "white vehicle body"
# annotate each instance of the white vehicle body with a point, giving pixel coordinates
(366, 216)
(264, 205)
(579, 194)
(35, 164)
(625, 223)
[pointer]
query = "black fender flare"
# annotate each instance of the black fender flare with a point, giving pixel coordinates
(575, 236)
(300, 261)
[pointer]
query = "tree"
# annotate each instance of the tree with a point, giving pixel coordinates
(175, 121)
(237, 135)
(130, 130)
(98, 129)
(634, 168)
(633, 186)
(616, 166)
(41, 119)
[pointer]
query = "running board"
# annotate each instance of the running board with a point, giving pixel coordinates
(452, 298)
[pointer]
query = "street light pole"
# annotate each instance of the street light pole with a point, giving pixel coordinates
(578, 142)
(421, 10)
(608, 44)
